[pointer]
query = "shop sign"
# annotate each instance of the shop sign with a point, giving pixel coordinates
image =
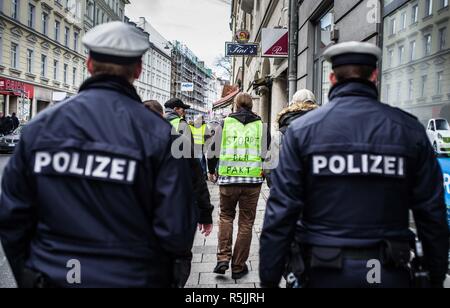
(16, 88)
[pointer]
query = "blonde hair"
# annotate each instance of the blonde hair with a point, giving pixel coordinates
(126, 71)
(244, 100)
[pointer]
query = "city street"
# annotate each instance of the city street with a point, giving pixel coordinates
(204, 251)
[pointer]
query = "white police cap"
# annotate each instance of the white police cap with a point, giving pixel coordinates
(116, 42)
(353, 53)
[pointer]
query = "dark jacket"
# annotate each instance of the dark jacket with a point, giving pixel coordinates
(201, 193)
(292, 113)
(355, 206)
(122, 208)
(15, 122)
(245, 117)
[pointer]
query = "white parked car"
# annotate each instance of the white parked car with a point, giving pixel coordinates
(438, 131)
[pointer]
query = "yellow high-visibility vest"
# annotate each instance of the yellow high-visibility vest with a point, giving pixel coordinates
(241, 150)
(198, 134)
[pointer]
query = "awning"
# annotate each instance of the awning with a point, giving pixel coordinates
(226, 101)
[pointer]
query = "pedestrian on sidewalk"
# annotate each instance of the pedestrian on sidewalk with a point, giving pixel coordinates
(92, 196)
(154, 106)
(15, 121)
(242, 144)
(303, 102)
(175, 114)
(349, 174)
(201, 135)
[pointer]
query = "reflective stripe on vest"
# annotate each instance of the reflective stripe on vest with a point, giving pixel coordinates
(198, 134)
(176, 123)
(241, 153)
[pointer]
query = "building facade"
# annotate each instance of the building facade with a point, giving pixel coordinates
(41, 52)
(416, 51)
(155, 80)
(265, 78)
(413, 34)
(102, 11)
(188, 69)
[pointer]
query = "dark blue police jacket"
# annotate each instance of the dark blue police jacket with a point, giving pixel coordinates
(353, 169)
(93, 183)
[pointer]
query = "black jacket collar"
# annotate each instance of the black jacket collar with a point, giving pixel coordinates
(245, 116)
(110, 82)
(354, 87)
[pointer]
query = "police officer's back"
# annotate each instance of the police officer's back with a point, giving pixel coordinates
(353, 169)
(93, 185)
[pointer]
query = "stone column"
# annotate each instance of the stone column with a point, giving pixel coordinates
(264, 103)
(279, 101)
(33, 107)
(7, 105)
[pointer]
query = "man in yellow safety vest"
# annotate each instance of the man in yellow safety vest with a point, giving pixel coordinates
(243, 144)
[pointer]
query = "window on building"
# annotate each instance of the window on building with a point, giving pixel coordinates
(90, 10)
(439, 83)
(444, 3)
(30, 56)
(66, 36)
(57, 30)
(423, 89)
(412, 51)
(401, 54)
(442, 38)
(43, 65)
(393, 26)
(390, 57)
(65, 72)
(415, 14)
(427, 41)
(45, 23)
(399, 92)
(55, 69)
(403, 24)
(387, 94)
(322, 68)
(428, 8)
(76, 36)
(15, 10)
(1, 50)
(74, 76)
(14, 55)
(410, 89)
(31, 15)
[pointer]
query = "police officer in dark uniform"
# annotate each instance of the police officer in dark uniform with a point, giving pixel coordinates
(352, 171)
(93, 196)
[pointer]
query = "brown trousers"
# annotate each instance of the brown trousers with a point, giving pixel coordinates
(230, 196)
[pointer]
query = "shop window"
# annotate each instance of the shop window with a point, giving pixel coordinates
(322, 68)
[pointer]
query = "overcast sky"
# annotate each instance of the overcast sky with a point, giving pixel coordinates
(203, 25)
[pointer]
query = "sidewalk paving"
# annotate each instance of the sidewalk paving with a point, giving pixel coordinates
(205, 250)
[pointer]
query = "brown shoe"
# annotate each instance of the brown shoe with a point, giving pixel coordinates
(241, 274)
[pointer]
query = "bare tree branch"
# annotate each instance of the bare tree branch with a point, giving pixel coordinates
(224, 64)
